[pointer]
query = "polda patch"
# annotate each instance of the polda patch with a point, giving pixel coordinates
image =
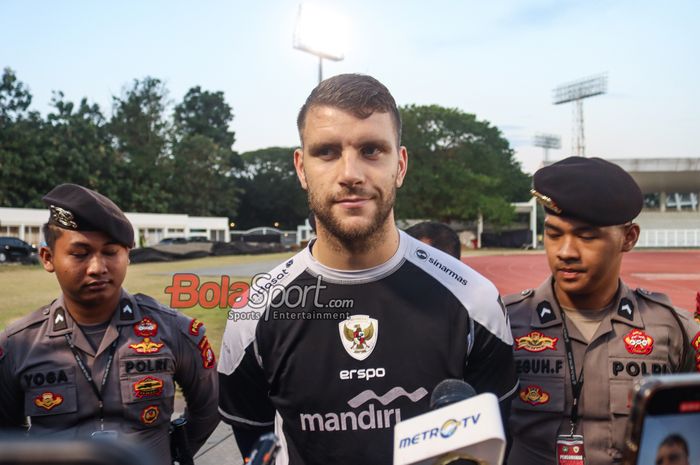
(638, 342)
(146, 328)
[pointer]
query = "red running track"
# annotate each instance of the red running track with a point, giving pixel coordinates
(676, 274)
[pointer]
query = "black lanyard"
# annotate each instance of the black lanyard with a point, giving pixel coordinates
(576, 383)
(88, 374)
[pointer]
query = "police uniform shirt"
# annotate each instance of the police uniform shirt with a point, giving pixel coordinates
(338, 386)
(641, 335)
(40, 377)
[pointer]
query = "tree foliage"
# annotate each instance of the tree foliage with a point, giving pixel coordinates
(142, 157)
(458, 167)
(153, 155)
(23, 176)
(271, 190)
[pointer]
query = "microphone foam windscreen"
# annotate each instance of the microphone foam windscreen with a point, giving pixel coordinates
(450, 391)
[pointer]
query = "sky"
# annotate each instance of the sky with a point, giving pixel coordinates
(499, 60)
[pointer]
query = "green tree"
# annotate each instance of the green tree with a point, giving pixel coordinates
(458, 167)
(141, 133)
(206, 114)
(271, 190)
(78, 147)
(23, 174)
(203, 162)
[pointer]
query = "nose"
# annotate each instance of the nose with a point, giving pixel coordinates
(567, 249)
(351, 168)
(97, 265)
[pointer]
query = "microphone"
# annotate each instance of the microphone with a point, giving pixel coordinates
(264, 450)
(461, 428)
(449, 391)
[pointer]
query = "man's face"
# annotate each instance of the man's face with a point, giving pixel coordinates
(351, 169)
(90, 266)
(585, 259)
(671, 454)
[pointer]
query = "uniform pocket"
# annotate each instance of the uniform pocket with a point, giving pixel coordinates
(50, 392)
(623, 373)
(55, 400)
(147, 389)
(540, 394)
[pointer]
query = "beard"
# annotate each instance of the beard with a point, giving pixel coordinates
(357, 237)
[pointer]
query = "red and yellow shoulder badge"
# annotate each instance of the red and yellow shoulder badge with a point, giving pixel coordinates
(146, 328)
(149, 414)
(535, 342)
(48, 400)
(195, 325)
(696, 345)
(146, 346)
(534, 395)
(696, 342)
(208, 358)
(638, 342)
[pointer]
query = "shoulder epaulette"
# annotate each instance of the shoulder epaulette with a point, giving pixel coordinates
(657, 297)
(37, 316)
(512, 299)
(149, 302)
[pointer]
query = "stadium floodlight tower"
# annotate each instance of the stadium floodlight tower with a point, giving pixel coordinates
(547, 141)
(320, 32)
(575, 92)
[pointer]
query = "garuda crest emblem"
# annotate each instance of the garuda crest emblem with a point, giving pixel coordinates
(358, 334)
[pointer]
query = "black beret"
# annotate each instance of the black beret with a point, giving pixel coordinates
(588, 189)
(77, 208)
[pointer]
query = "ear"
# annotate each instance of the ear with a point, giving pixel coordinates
(299, 167)
(403, 166)
(631, 236)
(46, 256)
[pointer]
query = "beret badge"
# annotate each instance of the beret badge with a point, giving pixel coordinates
(546, 201)
(63, 217)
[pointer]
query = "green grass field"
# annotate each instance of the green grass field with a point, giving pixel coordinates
(25, 288)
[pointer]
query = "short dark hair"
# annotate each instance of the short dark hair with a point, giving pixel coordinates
(358, 94)
(440, 235)
(675, 439)
(51, 233)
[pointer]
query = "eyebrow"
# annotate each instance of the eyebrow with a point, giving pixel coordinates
(580, 229)
(381, 142)
(89, 246)
(315, 148)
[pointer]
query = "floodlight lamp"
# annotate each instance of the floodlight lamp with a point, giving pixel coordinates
(320, 32)
(547, 141)
(581, 89)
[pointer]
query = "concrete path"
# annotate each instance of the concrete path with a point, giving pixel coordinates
(220, 448)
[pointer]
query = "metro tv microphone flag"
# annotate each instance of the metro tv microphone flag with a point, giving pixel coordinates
(464, 428)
